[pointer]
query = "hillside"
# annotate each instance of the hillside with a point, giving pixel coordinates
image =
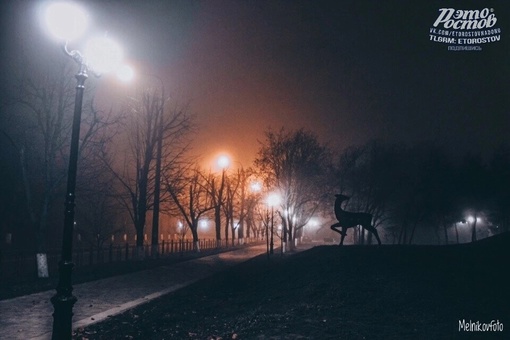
(331, 292)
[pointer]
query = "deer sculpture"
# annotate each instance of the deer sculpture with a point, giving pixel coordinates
(348, 220)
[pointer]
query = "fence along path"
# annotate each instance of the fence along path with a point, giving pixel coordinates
(20, 266)
(30, 316)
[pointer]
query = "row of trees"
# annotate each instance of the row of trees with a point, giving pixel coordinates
(411, 187)
(135, 160)
(406, 188)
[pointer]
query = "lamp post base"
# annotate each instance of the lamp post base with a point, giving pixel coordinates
(63, 303)
(63, 317)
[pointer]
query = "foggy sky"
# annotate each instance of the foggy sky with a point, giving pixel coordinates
(350, 71)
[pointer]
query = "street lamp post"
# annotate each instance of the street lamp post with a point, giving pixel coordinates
(267, 233)
(66, 21)
(271, 245)
(64, 300)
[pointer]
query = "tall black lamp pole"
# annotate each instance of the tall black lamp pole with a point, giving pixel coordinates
(64, 300)
(267, 232)
(272, 232)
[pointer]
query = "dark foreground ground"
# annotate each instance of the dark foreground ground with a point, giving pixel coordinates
(331, 292)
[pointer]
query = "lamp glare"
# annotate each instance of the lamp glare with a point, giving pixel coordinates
(103, 55)
(65, 21)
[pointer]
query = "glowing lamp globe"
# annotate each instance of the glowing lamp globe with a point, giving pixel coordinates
(203, 224)
(65, 21)
(103, 55)
(313, 222)
(223, 161)
(273, 200)
(256, 187)
(125, 73)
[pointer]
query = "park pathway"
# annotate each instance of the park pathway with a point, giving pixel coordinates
(30, 316)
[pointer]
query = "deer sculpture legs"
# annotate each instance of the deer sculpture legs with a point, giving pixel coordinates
(343, 231)
(348, 220)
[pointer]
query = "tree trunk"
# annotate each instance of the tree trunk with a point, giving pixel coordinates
(291, 236)
(249, 227)
(285, 234)
(141, 210)
(227, 226)
(240, 232)
(140, 254)
(233, 231)
(369, 238)
(217, 224)
(402, 237)
(39, 226)
(41, 257)
(438, 236)
(196, 241)
(415, 224)
(157, 188)
(473, 230)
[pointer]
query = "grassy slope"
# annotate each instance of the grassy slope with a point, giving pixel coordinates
(332, 292)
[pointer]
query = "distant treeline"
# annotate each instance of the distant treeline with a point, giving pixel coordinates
(409, 187)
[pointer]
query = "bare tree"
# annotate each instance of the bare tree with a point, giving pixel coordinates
(147, 124)
(191, 197)
(44, 106)
(217, 193)
(234, 204)
(243, 205)
(100, 211)
(142, 115)
(251, 204)
(297, 165)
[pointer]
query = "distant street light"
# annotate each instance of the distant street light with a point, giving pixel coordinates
(66, 22)
(256, 187)
(223, 162)
(204, 224)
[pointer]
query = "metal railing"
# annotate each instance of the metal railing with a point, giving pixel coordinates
(19, 266)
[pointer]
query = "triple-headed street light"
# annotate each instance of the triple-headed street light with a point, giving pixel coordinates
(66, 22)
